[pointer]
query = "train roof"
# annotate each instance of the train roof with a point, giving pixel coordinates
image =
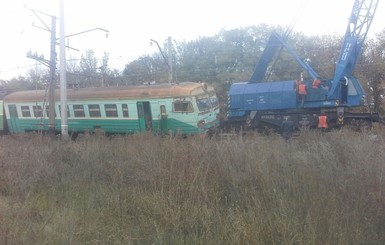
(108, 93)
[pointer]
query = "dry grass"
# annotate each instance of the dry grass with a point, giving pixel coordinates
(139, 189)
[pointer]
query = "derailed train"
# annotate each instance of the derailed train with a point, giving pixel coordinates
(186, 108)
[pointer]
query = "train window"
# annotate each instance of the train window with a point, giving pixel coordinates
(79, 111)
(182, 106)
(47, 111)
(25, 112)
(125, 110)
(68, 111)
(111, 110)
(203, 104)
(94, 110)
(37, 111)
(214, 101)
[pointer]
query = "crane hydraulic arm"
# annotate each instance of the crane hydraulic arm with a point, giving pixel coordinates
(360, 20)
(274, 44)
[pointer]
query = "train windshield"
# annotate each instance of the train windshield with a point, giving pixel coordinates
(207, 102)
(214, 101)
(204, 104)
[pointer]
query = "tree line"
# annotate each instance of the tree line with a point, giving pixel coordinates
(227, 57)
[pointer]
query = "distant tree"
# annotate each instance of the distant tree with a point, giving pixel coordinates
(89, 66)
(73, 73)
(115, 78)
(104, 70)
(141, 71)
(229, 56)
(320, 52)
(40, 78)
(197, 60)
(371, 70)
(240, 51)
(89, 72)
(34, 79)
(110, 78)
(17, 84)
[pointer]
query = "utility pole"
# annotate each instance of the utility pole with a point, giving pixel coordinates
(52, 84)
(63, 70)
(167, 59)
(52, 67)
(169, 49)
(63, 76)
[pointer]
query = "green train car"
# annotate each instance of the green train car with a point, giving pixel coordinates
(185, 108)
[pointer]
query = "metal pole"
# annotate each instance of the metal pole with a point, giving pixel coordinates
(63, 79)
(169, 47)
(165, 59)
(52, 68)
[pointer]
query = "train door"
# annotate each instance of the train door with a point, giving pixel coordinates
(13, 125)
(144, 115)
(163, 119)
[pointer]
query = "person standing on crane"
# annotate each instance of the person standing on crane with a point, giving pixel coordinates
(316, 83)
(302, 92)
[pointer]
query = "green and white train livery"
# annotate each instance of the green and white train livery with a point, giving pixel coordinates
(185, 108)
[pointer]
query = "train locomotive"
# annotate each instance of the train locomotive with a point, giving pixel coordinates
(260, 104)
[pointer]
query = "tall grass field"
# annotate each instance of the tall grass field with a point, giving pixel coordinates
(142, 189)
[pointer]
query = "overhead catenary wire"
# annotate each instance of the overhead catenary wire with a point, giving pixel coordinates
(287, 34)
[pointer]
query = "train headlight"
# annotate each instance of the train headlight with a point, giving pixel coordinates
(201, 123)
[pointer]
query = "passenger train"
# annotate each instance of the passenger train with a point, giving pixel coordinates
(186, 108)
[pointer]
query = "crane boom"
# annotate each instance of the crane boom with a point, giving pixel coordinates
(360, 20)
(275, 43)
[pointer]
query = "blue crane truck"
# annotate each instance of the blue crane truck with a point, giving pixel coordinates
(260, 104)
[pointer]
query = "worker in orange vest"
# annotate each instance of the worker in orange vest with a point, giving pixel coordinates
(316, 83)
(322, 121)
(302, 92)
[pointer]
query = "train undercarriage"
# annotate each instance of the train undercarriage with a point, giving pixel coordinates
(267, 121)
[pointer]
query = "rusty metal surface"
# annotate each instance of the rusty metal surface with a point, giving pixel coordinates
(114, 93)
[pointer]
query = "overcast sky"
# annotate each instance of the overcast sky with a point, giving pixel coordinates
(131, 24)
